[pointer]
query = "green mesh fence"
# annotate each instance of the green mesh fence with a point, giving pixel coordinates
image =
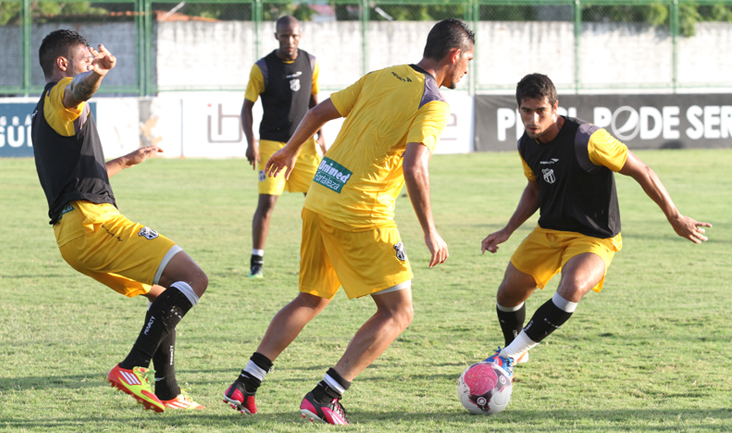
(584, 45)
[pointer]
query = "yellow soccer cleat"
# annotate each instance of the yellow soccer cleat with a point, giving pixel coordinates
(136, 383)
(183, 401)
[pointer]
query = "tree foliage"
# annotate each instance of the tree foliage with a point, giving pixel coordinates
(656, 14)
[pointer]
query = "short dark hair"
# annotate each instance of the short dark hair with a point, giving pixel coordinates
(286, 20)
(536, 86)
(447, 35)
(58, 43)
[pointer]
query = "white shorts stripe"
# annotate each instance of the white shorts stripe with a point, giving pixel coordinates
(175, 249)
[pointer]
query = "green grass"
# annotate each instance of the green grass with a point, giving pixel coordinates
(650, 353)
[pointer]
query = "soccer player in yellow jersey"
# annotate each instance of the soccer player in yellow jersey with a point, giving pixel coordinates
(394, 118)
(92, 235)
(287, 81)
(570, 166)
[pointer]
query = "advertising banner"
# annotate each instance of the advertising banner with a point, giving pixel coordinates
(211, 126)
(640, 121)
(15, 129)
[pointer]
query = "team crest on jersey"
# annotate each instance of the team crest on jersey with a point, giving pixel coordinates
(400, 253)
(262, 176)
(295, 84)
(548, 175)
(148, 233)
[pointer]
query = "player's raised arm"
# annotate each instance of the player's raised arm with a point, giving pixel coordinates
(96, 65)
(310, 124)
(684, 226)
(528, 204)
(417, 178)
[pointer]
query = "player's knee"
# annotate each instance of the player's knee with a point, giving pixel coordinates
(407, 316)
(201, 283)
(402, 315)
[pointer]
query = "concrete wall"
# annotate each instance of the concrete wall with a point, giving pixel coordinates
(220, 54)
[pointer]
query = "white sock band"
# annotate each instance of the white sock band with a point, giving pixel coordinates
(258, 252)
(563, 304)
(254, 370)
(509, 309)
(520, 345)
(187, 290)
(334, 384)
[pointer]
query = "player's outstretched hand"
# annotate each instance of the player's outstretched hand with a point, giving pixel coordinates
(437, 247)
(282, 159)
(141, 154)
(689, 228)
(490, 243)
(103, 60)
(253, 154)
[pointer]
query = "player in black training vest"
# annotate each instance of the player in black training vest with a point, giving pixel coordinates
(570, 166)
(93, 237)
(287, 81)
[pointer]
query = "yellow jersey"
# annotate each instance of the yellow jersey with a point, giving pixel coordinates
(360, 176)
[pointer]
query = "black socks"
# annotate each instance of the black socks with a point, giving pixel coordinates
(331, 387)
(547, 319)
(164, 314)
(511, 322)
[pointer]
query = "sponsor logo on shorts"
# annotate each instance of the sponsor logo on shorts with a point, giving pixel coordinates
(548, 175)
(148, 233)
(332, 175)
(262, 176)
(400, 253)
(68, 208)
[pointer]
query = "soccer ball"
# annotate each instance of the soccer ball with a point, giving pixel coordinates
(485, 388)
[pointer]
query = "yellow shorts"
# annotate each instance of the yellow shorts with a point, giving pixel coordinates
(126, 256)
(301, 176)
(364, 261)
(544, 252)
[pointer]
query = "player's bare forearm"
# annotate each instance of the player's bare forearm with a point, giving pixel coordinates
(684, 226)
(651, 184)
(247, 121)
(417, 178)
(313, 121)
(85, 84)
(527, 206)
(116, 165)
(82, 88)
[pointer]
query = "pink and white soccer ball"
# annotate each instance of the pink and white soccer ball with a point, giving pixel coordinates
(485, 388)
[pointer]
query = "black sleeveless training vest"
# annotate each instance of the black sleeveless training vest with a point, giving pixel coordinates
(286, 97)
(69, 168)
(575, 195)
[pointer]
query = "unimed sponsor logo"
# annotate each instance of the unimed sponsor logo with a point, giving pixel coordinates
(332, 175)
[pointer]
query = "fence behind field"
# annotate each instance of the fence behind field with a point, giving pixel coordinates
(585, 46)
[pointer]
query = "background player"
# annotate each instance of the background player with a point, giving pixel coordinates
(287, 80)
(393, 120)
(94, 238)
(569, 164)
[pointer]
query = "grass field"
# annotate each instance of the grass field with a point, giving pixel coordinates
(648, 354)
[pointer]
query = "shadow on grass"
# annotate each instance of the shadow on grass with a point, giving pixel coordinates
(49, 382)
(537, 421)
(99, 378)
